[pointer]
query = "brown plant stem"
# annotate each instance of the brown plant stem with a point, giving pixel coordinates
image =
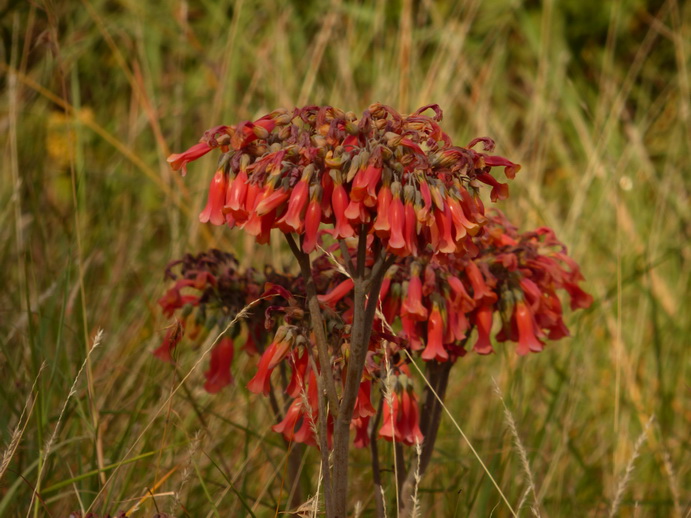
(365, 302)
(323, 440)
(317, 321)
(430, 418)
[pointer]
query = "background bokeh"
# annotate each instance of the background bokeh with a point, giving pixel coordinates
(591, 97)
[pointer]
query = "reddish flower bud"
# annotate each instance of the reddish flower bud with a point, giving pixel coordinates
(312, 220)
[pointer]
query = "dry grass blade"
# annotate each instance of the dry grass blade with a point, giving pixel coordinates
(18, 431)
(522, 453)
(73, 390)
(626, 478)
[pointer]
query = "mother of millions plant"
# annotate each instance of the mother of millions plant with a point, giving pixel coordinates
(398, 260)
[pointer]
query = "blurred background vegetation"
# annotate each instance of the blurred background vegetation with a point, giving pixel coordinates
(591, 97)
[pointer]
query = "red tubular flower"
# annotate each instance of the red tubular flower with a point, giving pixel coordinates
(410, 419)
(365, 182)
(287, 426)
(444, 225)
(219, 375)
(410, 330)
(462, 301)
(270, 201)
(179, 161)
(397, 242)
(277, 351)
(579, 298)
(410, 227)
(402, 423)
(235, 197)
(412, 305)
(382, 226)
(527, 341)
(500, 191)
(339, 202)
(292, 219)
(483, 323)
(481, 291)
(337, 293)
(510, 169)
(217, 196)
(435, 337)
(460, 219)
(363, 403)
(389, 430)
(297, 380)
(360, 425)
(312, 220)
(171, 340)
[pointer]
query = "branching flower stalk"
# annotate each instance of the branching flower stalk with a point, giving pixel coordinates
(397, 257)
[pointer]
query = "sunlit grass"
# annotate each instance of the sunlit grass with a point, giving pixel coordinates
(591, 98)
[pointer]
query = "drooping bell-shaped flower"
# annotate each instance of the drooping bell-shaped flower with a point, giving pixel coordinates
(219, 375)
(273, 355)
(179, 161)
(483, 323)
(170, 342)
(527, 341)
(213, 212)
(336, 294)
(312, 219)
(287, 425)
(435, 337)
(412, 304)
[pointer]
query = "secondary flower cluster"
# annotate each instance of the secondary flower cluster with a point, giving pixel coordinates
(207, 293)
(397, 177)
(516, 276)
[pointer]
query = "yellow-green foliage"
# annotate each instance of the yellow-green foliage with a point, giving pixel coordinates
(592, 98)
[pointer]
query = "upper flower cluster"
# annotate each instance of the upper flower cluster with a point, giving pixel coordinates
(397, 177)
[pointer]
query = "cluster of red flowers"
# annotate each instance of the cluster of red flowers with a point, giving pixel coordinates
(429, 305)
(440, 299)
(399, 181)
(207, 293)
(399, 176)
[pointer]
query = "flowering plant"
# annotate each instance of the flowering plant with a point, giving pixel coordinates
(398, 259)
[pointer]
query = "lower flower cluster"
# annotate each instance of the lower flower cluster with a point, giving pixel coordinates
(436, 307)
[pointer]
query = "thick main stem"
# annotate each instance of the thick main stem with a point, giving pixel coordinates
(367, 286)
